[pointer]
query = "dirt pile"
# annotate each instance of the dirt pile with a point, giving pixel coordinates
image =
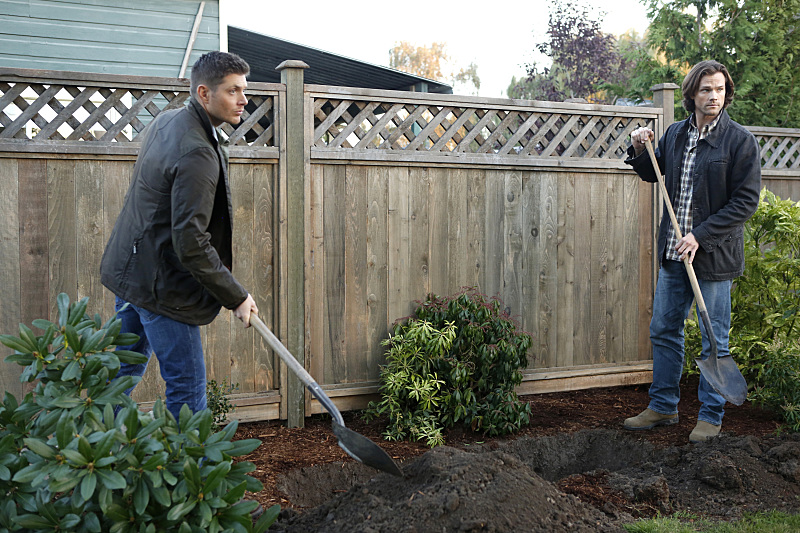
(591, 480)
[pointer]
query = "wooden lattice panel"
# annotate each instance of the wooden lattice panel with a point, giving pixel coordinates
(779, 150)
(438, 128)
(63, 112)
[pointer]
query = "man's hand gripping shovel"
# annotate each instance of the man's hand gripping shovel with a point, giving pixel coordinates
(721, 372)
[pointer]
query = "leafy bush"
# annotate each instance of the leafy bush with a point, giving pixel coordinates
(68, 462)
(457, 360)
(778, 386)
(218, 402)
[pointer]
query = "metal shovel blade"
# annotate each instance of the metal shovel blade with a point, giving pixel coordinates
(723, 374)
(356, 445)
(720, 372)
(364, 450)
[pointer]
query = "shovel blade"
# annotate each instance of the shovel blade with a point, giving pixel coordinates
(364, 450)
(723, 374)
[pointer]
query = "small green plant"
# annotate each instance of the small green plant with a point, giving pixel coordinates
(77, 455)
(778, 385)
(456, 361)
(218, 401)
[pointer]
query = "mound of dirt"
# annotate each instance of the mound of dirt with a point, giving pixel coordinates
(447, 490)
(591, 480)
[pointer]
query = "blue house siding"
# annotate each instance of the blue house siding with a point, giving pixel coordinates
(134, 37)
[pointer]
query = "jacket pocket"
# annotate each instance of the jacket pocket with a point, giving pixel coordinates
(174, 286)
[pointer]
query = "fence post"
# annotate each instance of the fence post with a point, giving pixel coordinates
(664, 97)
(293, 175)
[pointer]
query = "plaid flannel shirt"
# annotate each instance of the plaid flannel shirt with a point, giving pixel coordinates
(683, 209)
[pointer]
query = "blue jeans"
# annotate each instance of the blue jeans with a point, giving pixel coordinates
(179, 351)
(671, 305)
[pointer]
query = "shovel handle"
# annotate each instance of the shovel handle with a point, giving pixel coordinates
(698, 296)
(295, 366)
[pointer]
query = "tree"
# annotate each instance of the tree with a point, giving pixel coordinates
(586, 62)
(430, 62)
(757, 40)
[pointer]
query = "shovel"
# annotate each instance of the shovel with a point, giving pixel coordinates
(721, 372)
(356, 445)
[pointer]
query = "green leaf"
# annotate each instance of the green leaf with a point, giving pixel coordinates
(243, 447)
(141, 497)
(88, 484)
(34, 522)
(15, 343)
(129, 357)
(216, 477)
(73, 340)
(111, 480)
(267, 518)
(182, 509)
(64, 484)
(236, 493)
(27, 474)
(39, 448)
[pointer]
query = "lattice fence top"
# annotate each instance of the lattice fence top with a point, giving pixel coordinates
(780, 148)
(392, 126)
(111, 110)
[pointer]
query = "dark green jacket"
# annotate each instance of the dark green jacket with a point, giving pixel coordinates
(170, 251)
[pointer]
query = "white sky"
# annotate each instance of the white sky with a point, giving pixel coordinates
(498, 36)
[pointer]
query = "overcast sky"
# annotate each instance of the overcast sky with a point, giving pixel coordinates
(498, 36)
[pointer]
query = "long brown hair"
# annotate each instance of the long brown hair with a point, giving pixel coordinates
(691, 83)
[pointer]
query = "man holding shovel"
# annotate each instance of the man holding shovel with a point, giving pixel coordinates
(170, 252)
(712, 173)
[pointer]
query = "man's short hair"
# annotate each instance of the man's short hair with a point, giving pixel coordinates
(212, 67)
(691, 83)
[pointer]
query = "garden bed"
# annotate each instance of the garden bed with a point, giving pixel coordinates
(573, 468)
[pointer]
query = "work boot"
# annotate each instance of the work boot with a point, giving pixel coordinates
(648, 419)
(704, 431)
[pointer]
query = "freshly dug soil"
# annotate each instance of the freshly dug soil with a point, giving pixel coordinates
(572, 469)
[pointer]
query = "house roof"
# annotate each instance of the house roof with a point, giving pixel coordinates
(264, 53)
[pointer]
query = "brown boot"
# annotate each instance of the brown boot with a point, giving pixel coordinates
(704, 431)
(648, 419)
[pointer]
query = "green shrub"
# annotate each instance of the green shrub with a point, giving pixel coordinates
(68, 462)
(778, 386)
(457, 361)
(218, 401)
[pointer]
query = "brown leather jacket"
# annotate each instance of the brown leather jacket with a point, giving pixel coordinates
(170, 251)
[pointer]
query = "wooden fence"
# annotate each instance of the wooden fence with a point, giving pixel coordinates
(349, 205)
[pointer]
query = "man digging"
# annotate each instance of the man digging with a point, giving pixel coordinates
(712, 171)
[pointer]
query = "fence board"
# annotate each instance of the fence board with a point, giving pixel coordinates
(399, 225)
(548, 274)
(512, 242)
(242, 362)
(418, 234)
(565, 267)
(334, 193)
(458, 258)
(377, 267)
(33, 233)
(62, 238)
(9, 270)
(532, 263)
(583, 339)
(494, 224)
(598, 208)
(646, 286)
(90, 234)
(439, 220)
(476, 216)
(264, 261)
(632, 268)
(356, 320)
(617, 271)
(315, 274)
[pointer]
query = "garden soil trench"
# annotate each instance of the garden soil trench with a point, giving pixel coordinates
(572, 469)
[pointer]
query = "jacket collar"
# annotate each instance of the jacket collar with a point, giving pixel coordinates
(198, 110)
(714, 135)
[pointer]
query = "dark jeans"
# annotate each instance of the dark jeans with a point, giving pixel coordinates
(179, 351)
(671, 305)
